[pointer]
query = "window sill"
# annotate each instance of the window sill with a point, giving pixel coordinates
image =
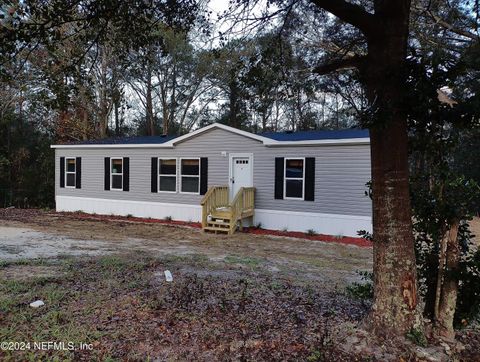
(190, 193)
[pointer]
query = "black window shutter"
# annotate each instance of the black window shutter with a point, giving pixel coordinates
(107, 173)
(126, 174)
(78, 172)
(310, 179)
(154, 182)
(62, 171)
(203, 175)
(279, 174)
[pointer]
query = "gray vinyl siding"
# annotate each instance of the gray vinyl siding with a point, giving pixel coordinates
(341, 172)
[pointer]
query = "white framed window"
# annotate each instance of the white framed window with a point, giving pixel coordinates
(167, 175)
(190, 175)
(294, 180)
(116, 174)
(70, 172)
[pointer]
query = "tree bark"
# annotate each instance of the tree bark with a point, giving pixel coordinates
(104, 108)
(173, 100)
(233, 105)
(149, 103)
(395, 284)
(394, 310)
(117, 117)
(448, 300)
(442, 257)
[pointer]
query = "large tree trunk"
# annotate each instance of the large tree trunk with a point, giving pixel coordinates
(149, 104)
(395, 298)
(448, 298)
(104, 110)
(395, 283)
(233, 105)
(173, 100)
(117, 117)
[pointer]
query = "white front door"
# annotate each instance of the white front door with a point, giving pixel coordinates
(241, 173)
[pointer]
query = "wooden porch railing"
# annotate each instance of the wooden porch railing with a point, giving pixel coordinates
(216, 196)
(242, 206)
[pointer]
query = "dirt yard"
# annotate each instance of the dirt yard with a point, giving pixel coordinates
(32, 234)
(239, 297)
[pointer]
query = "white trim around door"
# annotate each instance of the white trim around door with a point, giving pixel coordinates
(231, 165)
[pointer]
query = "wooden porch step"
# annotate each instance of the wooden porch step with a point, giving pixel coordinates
(216, 229)
(218, 223)
(222, 214)
(247, 213)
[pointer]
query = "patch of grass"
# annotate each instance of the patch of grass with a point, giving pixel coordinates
(7, 263)
(70, 303)
(14, 286)
(6, 305)
(112, 262)
(53, 295)
(197, 259)
(244, 260)
(275, 285)
(315, 356)
(320, 262)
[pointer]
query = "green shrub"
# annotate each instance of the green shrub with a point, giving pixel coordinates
(363, 290)
(417, 337)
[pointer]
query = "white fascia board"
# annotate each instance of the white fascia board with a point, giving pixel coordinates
(132, 145)
(220, 126)
(343, 141)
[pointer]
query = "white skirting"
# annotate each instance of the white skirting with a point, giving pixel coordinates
(146, 209)
(330, 224)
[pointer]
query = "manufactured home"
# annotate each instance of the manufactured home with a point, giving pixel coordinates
(224, 178)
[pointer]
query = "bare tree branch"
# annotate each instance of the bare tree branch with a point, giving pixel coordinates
(350, 13)
(340, 64)
(443, 23)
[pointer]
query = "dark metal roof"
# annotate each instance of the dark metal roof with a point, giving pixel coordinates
(278, 136)
(317, 135)
(127, 140)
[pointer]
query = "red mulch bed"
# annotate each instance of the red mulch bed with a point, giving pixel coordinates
(251, 230)
(319, 237)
